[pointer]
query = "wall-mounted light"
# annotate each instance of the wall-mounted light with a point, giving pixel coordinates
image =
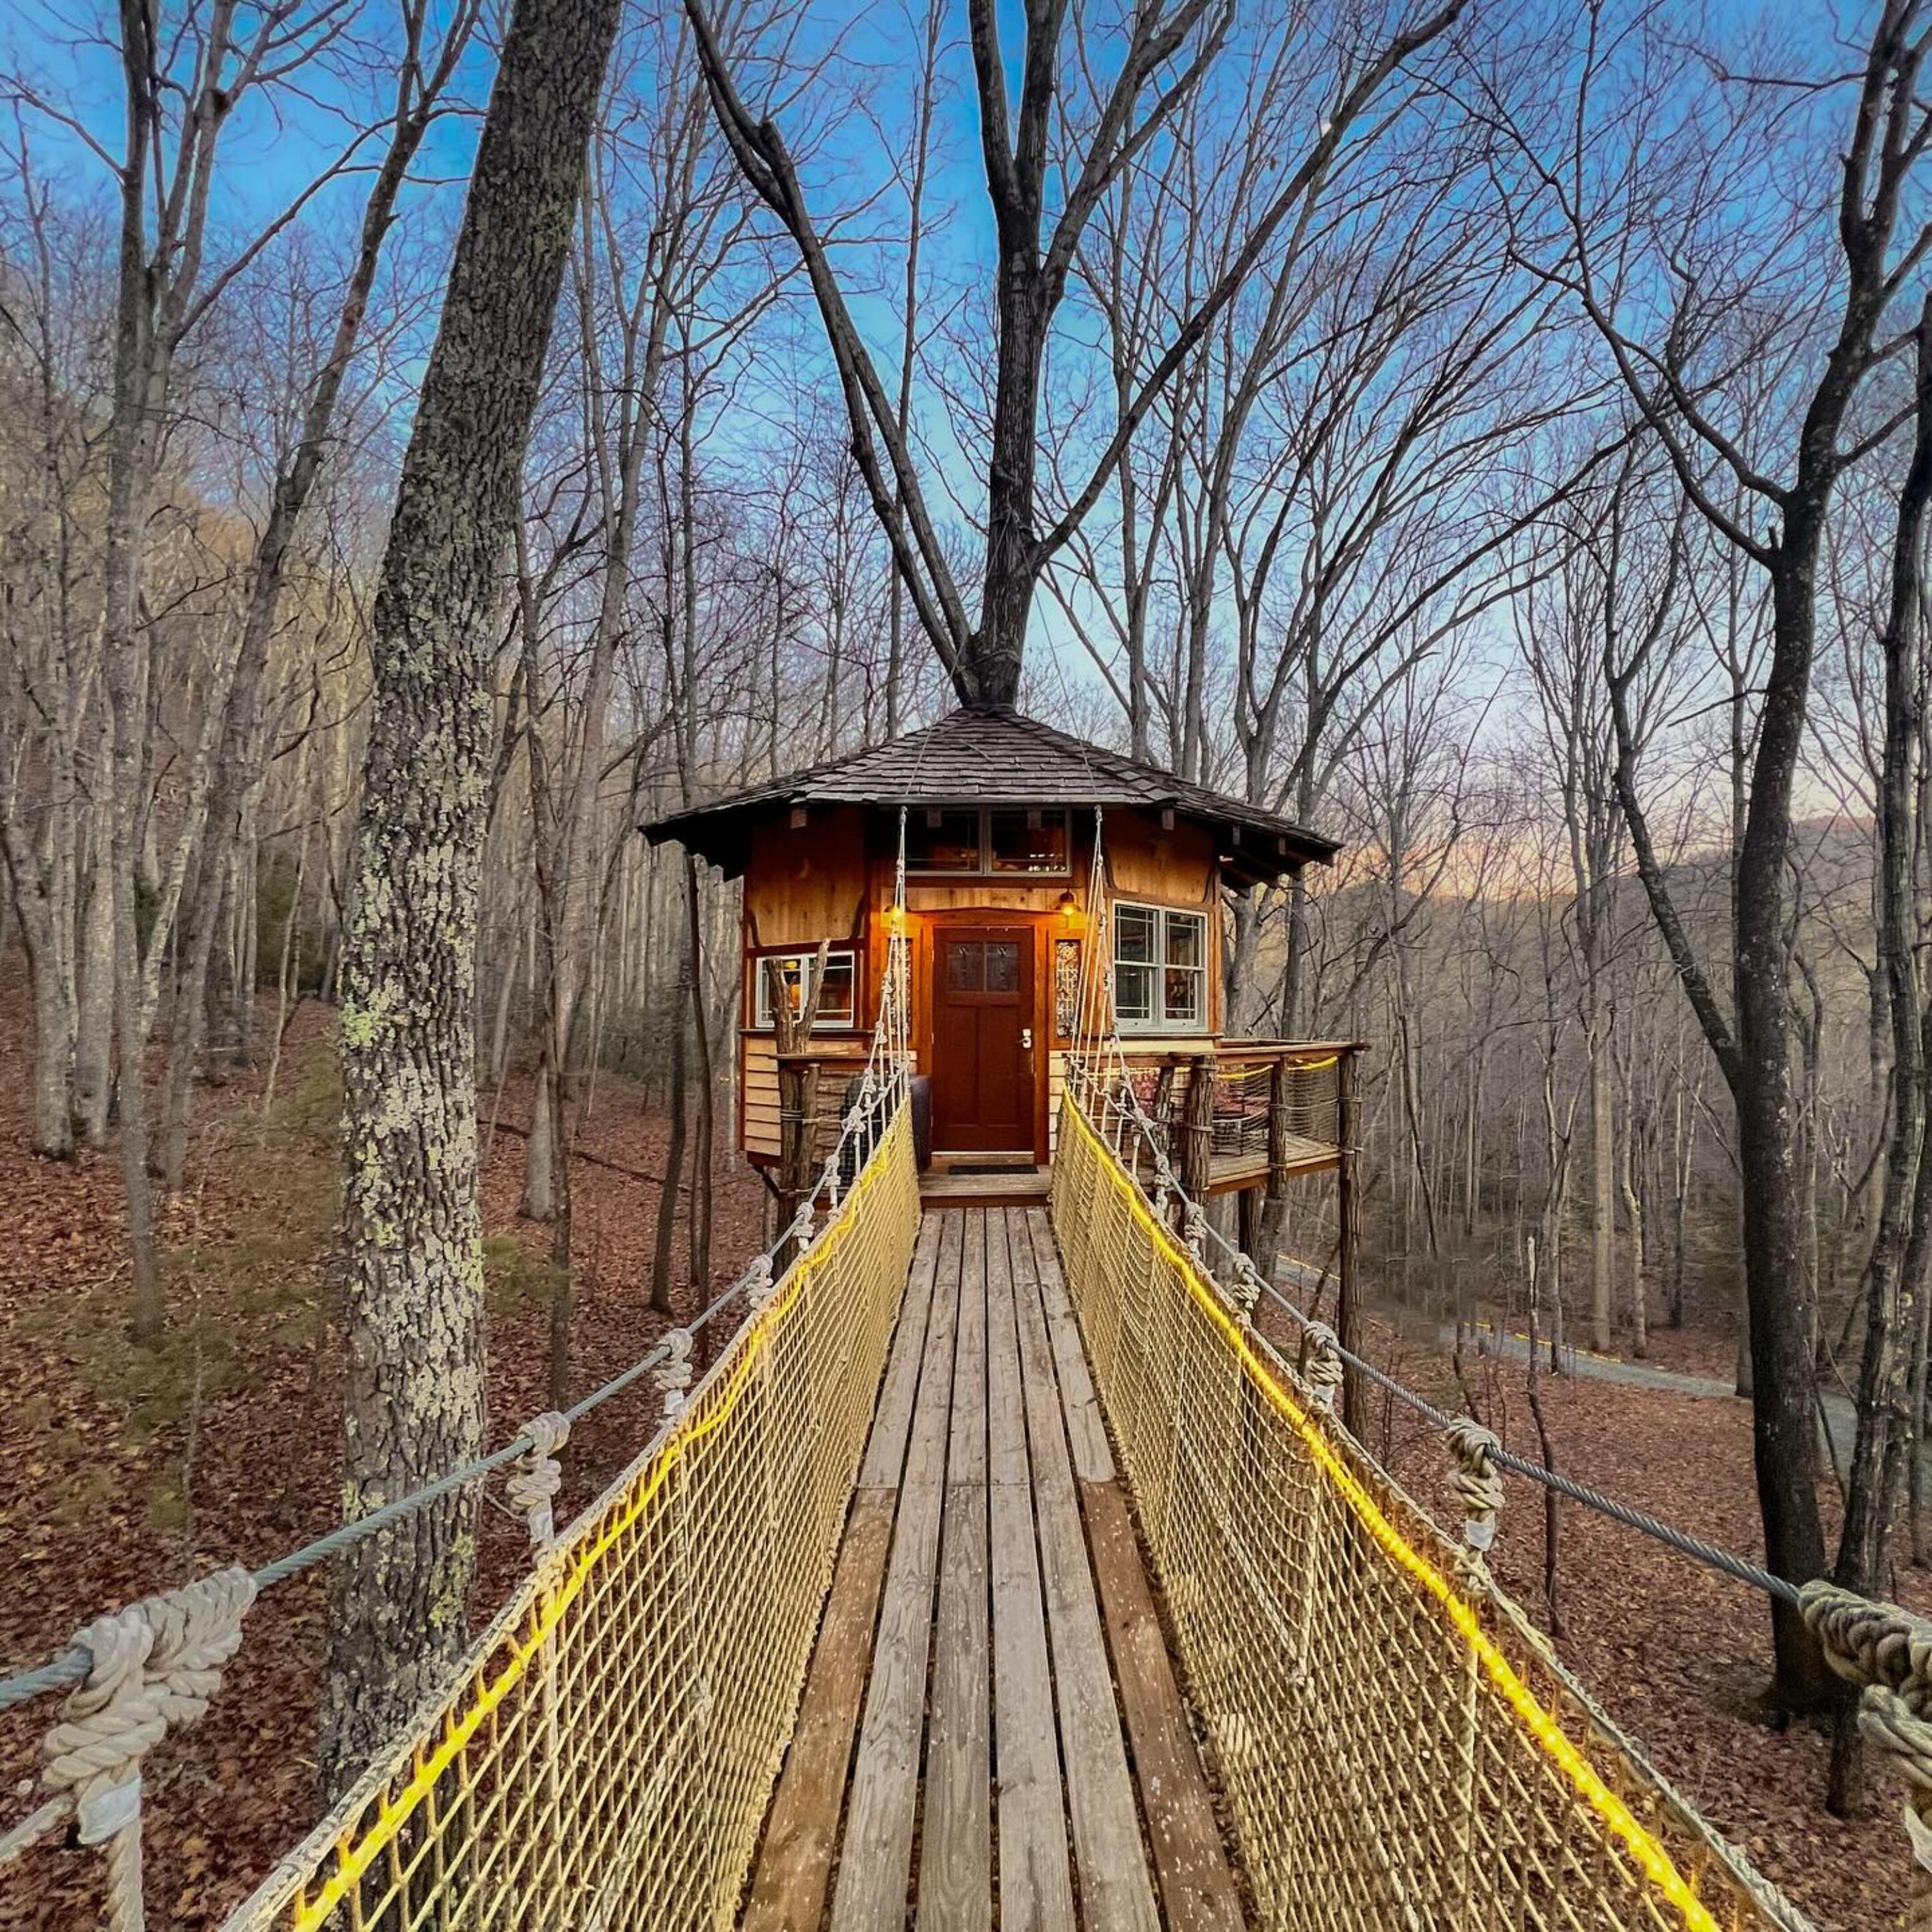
(1069, 906)
(895, 918)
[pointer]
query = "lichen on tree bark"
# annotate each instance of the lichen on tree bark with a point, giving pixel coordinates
(413, 1405)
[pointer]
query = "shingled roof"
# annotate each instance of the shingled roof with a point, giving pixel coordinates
(975, 756)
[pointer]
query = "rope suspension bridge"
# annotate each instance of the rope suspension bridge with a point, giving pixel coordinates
(865, 1635)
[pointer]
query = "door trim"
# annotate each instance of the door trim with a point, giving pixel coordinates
(1039, 925)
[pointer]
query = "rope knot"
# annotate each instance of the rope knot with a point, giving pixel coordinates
(1195, 1224)
(1247, 1287)
(1475, 1479)
(537, 1475)
(760, 1283)
(1888, 1652)
(673, 1376)
(156, 1664)
(1324, 1371)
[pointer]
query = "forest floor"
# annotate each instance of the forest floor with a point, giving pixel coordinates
(1679, 1656)
(123, 1470)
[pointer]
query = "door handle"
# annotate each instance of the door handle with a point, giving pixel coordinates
(1026, 1039)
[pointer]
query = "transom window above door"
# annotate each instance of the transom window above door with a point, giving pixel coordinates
(1160, 969)
(1023, 840)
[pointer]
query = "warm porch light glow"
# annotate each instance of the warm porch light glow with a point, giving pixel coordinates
(1068, 910)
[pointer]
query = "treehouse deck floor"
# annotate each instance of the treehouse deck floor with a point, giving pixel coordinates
(991, 1716)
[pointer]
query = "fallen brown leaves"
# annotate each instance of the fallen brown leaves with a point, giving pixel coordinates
(1679, 1656)
(123, 1471)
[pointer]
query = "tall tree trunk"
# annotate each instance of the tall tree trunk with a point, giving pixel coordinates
(238, 771)
(413, 1405)
(1894, 1282)
(94, 1042)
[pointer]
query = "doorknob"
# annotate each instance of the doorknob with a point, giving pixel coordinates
(1026, 1039)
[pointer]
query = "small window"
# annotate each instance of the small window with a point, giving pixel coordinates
(1027, 841)
(835, 1001)
(942, 841)
(1031, 841)
(1160, 969)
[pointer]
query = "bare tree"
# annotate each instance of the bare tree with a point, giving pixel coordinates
(413, 1405)
(1679, 385)
(1167, 52)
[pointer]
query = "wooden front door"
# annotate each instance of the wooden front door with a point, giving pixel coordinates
(982, 1056)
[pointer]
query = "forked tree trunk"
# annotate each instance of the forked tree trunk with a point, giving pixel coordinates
(414, 1398)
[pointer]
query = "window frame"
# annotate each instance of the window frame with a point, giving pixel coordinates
(1159, 965)
(985, 868)
(763, 1019)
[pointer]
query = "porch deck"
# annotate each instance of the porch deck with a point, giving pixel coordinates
(991, 1643)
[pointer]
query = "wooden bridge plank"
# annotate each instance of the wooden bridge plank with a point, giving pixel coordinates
(892, 1421)
(875, 1863)
(795, 1856)
(1115, 1892)
(1006, 1407)
(955, 1877)
(1036, 1878)
(1197, 1886)
(966, 1461)
(1093, 1455)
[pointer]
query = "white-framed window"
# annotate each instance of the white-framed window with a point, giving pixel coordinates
(1160, 969)
(835, 999)
(1027, 841)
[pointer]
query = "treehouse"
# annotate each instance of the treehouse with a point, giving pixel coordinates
(1000, 813)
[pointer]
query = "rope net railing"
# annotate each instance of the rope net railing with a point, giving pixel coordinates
(612, 1735)
(1398, 1747)
(605, 1755)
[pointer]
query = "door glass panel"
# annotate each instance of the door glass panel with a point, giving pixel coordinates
(965, 965)
(942, 841)
(1003, 966)
(1029, 841)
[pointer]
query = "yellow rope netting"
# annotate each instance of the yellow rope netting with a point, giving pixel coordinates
(604, 1759)
(1398, 1750)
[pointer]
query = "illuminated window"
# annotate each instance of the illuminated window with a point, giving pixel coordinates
(835, 1000)
(1030, 840)
(1160, 969)
(1027, 842)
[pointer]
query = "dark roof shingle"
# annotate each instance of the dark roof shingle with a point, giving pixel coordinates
(984, 756)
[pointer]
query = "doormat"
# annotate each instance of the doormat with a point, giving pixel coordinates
(989, 1167)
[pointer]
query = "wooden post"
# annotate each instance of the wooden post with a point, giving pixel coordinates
(1197, 1132)
(1162, 1113)
(1348, 1325)
(798, 1093)
(1274, 1211)
(1249, 1229)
